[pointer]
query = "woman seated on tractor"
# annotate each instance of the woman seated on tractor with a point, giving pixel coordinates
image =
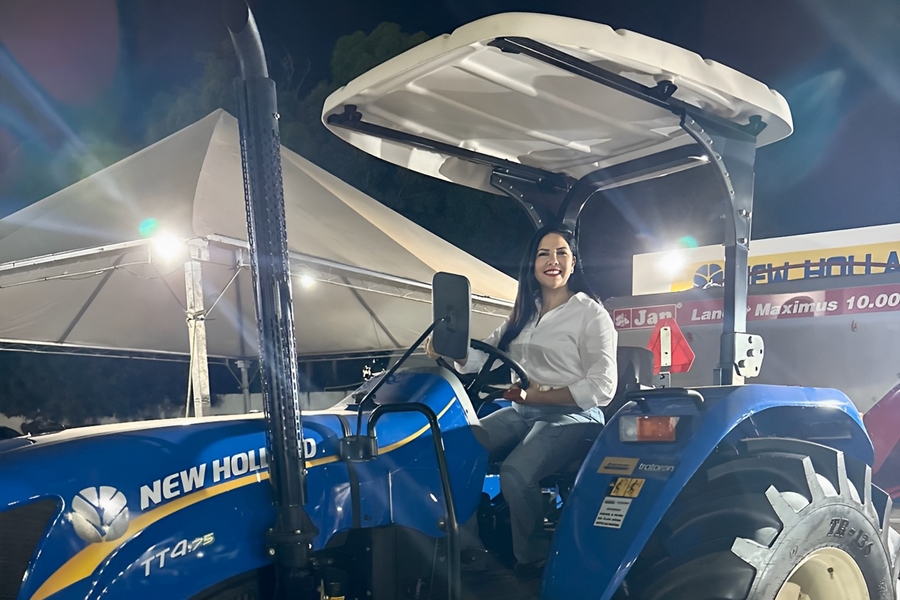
(565, 340)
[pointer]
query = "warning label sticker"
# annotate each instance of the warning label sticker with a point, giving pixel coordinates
(612, 512)
(616, 465)
(626, 487)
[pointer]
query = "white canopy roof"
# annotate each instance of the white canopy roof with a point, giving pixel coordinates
(461, 90)
(79, 268)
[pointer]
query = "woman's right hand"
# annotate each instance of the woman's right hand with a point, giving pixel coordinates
(429, 349)
(430, 352)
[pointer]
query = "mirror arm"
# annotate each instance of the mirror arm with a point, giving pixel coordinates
(396, 365)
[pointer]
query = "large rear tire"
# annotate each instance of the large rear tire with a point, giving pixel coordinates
(781, 520)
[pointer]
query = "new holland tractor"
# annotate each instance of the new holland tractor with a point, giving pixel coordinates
(728, 491)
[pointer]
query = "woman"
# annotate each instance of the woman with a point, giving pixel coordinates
(566, 342)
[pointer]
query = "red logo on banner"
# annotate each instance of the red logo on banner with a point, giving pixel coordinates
(622, 318)
(682, 355)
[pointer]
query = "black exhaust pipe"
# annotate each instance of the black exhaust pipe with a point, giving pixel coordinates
(290, 540)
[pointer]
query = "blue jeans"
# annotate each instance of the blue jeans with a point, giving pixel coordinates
(532, 446)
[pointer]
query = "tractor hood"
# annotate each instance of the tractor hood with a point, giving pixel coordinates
(187, 502)
(550, 94)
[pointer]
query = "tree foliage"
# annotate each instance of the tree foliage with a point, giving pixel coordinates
(171, 111)
(81, 390)
(356, 53)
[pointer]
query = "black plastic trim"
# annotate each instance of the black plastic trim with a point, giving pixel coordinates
(21, 529)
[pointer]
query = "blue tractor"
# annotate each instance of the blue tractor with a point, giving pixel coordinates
(728, 491)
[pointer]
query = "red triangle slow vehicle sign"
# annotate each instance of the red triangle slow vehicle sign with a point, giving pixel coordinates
(678, 354)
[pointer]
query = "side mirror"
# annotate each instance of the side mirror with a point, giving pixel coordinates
(451, 301)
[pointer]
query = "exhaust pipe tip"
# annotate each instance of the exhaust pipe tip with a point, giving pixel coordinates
(245, 37)
(235, 14)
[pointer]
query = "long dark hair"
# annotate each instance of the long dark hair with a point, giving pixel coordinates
(529, 288)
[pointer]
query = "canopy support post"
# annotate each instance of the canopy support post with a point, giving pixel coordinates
(733, 154)
(196, 321)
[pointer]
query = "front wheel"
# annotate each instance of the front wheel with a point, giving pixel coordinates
(783, 520)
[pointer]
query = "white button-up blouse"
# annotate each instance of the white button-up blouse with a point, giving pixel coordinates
(573, 346)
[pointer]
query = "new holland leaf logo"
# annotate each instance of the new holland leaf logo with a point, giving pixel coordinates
(99, 514)
(708, 276)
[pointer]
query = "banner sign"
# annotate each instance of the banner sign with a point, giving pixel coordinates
(765, 307)
(847, 253)
(843, 262)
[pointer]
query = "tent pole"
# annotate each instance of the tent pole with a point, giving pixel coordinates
(244, 366)
(196, 321)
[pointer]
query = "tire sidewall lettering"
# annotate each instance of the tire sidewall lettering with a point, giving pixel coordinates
(827, 524)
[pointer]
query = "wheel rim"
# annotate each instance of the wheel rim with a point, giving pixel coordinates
(825, 574)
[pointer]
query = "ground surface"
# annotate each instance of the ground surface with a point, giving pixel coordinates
(497, 582)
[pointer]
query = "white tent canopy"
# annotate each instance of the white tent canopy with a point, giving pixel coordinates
(82, 267)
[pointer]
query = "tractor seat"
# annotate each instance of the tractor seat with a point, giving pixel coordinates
(635, 368)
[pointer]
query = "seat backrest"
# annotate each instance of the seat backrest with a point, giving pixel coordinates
(635, 367)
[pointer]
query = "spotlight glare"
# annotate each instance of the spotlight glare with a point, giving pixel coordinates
(167, 247)
(671, 263)
(307, 281)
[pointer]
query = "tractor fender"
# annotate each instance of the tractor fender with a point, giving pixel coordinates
(623, 489)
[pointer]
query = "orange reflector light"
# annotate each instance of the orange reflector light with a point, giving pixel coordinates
(647, 429)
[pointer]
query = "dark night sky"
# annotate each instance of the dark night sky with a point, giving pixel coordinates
(838, 66)
(840, 72)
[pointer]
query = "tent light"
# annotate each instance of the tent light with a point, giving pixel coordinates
(647, 429)
(167, 246)
(307, 281)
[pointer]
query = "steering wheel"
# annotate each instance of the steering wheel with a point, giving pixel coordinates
(480, 383)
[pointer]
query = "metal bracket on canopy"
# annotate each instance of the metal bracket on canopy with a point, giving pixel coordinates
(513, 186)
(748, 353)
